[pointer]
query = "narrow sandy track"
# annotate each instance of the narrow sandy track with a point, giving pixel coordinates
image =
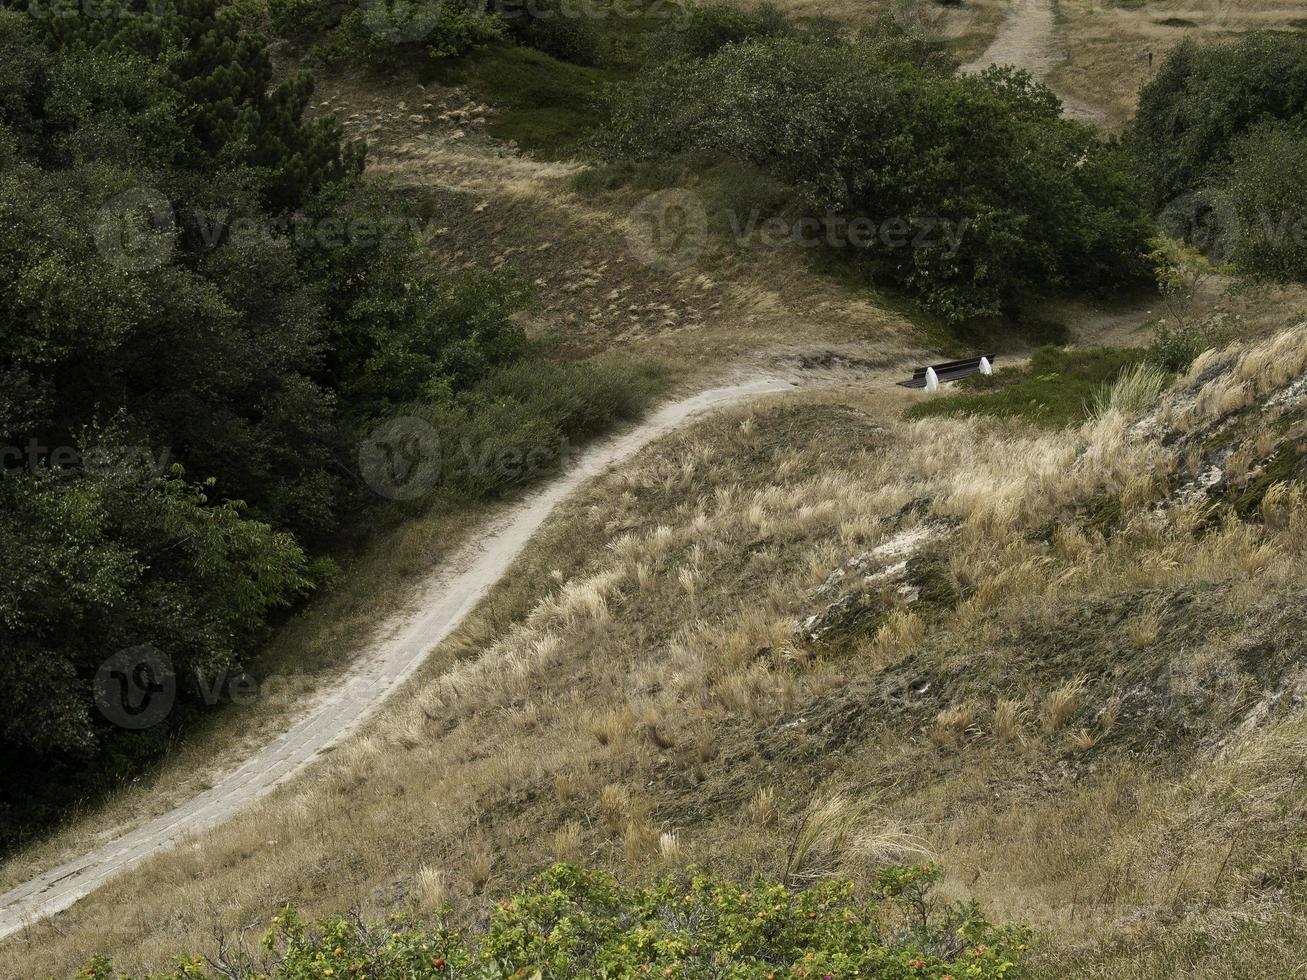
(1026, 39)
(443, 601)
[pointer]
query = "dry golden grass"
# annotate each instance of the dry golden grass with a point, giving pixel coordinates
(432, 886)
(1104, 45)
(953, 725)
(1009, 716)
(1144, 629)
(778, 759)
(1061, 705)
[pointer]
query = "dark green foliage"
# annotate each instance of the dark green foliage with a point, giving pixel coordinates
(106, 557)
(378, 35)
(1056, 388)
(227, 109)
(966, 191)
(702, 29)
(575, 923)
(525, 421)
(1204, 97)
(1174, 348)
(203, 309)
(295, 18)
(1220, 137)
(559, 28)
(1266, 191)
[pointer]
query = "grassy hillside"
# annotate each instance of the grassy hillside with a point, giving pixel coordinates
(1034, 643)
(1062, 661)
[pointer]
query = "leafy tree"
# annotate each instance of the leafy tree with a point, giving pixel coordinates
(1204, 97)
(105, 558)
(196, 280)
(1265, 190)
(969, 190)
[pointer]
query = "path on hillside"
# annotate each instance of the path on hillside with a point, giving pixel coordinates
(443, 601)
(1026, 38)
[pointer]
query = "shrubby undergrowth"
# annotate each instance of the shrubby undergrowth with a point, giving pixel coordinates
(1221, 140)
(882, 131)
(576, 923)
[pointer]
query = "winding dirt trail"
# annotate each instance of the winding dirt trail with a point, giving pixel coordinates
(443, 601)
(1026, 39)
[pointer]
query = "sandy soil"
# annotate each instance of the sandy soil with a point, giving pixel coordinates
(1027, 39)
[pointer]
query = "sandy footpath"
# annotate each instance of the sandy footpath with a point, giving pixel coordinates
(444, 600)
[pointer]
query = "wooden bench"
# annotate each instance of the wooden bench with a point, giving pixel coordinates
(949, 370)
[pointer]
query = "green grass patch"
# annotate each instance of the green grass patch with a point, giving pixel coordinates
(1056, 388)
(549, 107)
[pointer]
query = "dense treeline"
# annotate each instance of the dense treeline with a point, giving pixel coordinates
(1221, 139)
(203, 310)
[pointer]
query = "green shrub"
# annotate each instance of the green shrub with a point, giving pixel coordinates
(377, 35)
(1174, 348)
(292, 18)
(966, 191)
(557, 28)
(1266, 194)
(522, 422)
(702, 29)
(1204, 97)
(575, 923)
